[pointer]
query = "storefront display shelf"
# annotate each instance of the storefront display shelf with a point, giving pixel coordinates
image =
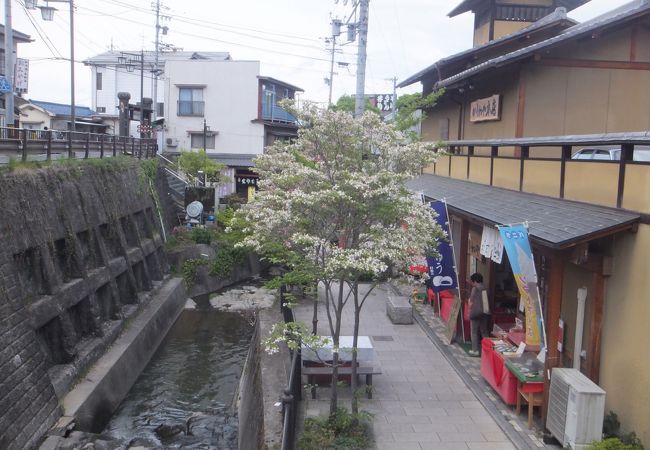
(496, 374)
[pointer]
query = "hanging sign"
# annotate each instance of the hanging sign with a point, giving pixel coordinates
(442, 269)
(491, 244)
(515, 242)
(21, 74)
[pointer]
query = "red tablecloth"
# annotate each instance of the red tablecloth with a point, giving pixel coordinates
(496, 374)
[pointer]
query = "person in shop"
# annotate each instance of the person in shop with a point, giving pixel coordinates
(478, 318)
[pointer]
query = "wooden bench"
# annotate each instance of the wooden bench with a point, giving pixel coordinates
(368, 371)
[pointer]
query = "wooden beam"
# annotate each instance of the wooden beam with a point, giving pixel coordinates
(554, 301)
(595, 336)
(462, 263)
(521, 106)
(593, 63)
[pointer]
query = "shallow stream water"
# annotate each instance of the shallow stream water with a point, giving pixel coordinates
(184, 398)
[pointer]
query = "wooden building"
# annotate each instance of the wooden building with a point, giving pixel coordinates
(515, 109)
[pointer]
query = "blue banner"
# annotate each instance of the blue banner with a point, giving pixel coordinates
(442, 270)
(517, 246)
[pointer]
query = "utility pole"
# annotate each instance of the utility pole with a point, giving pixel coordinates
(394, 105)
(73, 107)
(155, 63)
(329, 101)
(9, 66)
(142, 133)
(205, 135)
(360, 101)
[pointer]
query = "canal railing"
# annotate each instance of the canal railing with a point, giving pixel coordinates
(292, 395)
(34, 145)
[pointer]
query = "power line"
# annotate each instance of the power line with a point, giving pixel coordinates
(46, 40)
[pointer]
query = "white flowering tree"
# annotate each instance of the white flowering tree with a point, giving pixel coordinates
(333, 207)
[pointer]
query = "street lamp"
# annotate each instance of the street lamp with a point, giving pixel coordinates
(47, 13)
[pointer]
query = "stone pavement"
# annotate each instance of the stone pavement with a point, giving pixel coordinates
(424, 398)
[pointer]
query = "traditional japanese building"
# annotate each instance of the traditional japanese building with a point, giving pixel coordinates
(536, 88)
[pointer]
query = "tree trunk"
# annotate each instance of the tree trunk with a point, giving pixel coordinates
(355, 338)
(335, 352)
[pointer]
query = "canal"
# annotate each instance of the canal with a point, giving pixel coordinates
(185, 396)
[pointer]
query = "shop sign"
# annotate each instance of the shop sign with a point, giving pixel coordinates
(517, 246)
(247, 181)
(22, 74)
(442, 270)
(485, 109)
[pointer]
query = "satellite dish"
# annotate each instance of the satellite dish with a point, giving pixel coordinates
(194, 211)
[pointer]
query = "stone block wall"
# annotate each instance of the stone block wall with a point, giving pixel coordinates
(79, 243)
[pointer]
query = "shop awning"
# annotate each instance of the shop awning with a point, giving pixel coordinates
(552, 222)
(234, 159)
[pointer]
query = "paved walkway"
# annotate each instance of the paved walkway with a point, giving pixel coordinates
(429, 395)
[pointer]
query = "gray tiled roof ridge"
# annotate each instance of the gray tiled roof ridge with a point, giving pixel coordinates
(557, 16)
(616, 15)
(554, 221)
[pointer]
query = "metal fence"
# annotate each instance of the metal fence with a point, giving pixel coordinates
(53, 144)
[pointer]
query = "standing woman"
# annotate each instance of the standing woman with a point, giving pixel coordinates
(478, 319)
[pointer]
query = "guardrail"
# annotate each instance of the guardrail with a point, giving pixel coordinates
(54, 144)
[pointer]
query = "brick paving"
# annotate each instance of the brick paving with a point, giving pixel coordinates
(429, 395)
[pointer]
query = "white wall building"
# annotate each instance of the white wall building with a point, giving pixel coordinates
(207, 101)
(117, 71)
(224, 94)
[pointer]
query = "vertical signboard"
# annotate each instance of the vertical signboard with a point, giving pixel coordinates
(517, 246)
(442, 270)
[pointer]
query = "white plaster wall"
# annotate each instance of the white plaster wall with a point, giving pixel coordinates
(35, 116)
(119, 80)
(230, 94)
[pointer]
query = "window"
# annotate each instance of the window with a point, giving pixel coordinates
(98, 81)
(197, 141)
(190, 101)
(101, 109)
(160, 109)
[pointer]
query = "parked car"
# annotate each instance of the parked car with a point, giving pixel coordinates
(641, 153)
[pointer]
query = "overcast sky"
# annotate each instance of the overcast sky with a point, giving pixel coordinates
(286, 36)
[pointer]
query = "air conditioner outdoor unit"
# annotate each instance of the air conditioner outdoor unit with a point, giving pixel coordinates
(172, 142)
(576, 408)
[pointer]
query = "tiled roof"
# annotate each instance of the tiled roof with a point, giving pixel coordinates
(555, 19)
(60, 109)
(553, 222)
(619, 15)
(234, 159)
(469, 5)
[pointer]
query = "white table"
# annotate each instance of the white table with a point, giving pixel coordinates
(365, 351)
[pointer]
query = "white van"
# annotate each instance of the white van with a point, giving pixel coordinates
(641, 153)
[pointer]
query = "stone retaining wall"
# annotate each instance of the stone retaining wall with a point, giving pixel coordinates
(79, 245)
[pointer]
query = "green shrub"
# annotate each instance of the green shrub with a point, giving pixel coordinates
(614, 443)
(202, 235)
(189, 269)
(227, 257)
(342, 431)
(612, 429)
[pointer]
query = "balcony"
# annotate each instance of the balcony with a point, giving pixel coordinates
(190, 108)
(273, 113)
